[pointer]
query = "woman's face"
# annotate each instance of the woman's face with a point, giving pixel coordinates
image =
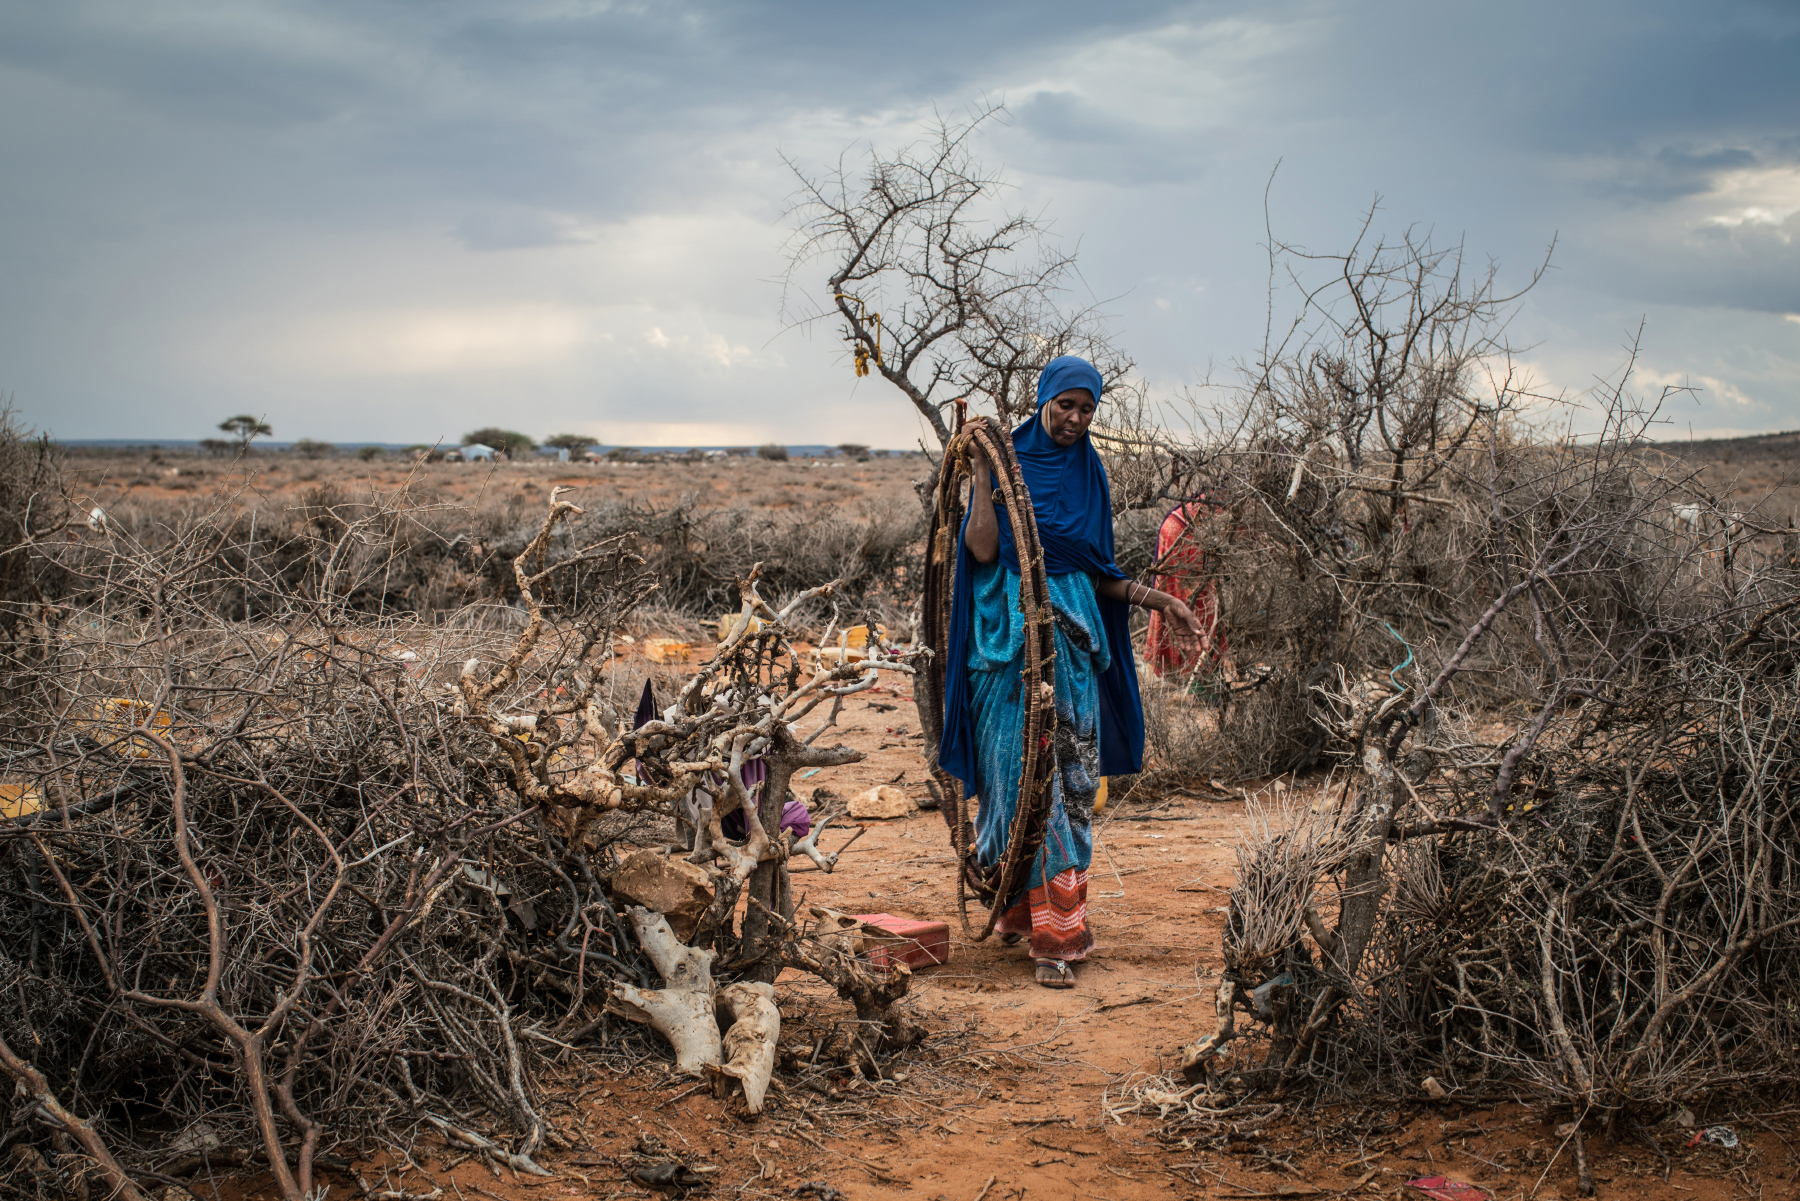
(1067, 416)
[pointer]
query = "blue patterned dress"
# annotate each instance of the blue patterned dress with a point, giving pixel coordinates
(1052, 909)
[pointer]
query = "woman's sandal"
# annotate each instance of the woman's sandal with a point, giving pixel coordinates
(1054, 973)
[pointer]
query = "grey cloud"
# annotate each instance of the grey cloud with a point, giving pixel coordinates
(148, 142)
(1672, 173)
(804, 48)
(191, 70)
(1612, 77)
(1753, 266)
(1067, 137)
(515, 230)
(605, 109)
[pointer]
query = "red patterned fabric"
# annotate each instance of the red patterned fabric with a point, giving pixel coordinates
(1055, 916)
(1183, 564)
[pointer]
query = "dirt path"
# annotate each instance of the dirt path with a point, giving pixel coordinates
(1043, 1057)
(1011, 1085)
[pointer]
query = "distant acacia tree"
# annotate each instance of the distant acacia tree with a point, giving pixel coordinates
(773, 451)
(244, 427)
(854, 450)
(573, 443)
(307, 448)
(369, 454)
(507, 442)
(217, 446)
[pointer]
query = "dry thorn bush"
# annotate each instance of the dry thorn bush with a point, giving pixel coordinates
(1560, 682)
(305, 880)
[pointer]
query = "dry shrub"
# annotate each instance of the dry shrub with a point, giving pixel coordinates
(1181, 733)
(414, 553)
(1348, 482)
(272, 847)
(1562, 858)
(1562, 683)
(698, 555)
(1628, 940)
(31, 507)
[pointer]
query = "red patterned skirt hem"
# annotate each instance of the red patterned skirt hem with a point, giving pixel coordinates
(1055, 916)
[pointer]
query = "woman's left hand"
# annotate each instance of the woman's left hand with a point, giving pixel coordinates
(1182, 621)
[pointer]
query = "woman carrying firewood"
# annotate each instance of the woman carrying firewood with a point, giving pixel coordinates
(1099, 718)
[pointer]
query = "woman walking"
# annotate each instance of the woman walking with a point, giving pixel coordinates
(1099, 718)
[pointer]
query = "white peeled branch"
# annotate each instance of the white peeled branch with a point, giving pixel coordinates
(750, 1040)
(682, 1009)
(1299, 472)
(809, 846)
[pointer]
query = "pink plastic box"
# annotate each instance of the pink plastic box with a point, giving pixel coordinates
(916, 944)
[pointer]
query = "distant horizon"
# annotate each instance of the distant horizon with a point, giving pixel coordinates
(277, 444)
(816, 449)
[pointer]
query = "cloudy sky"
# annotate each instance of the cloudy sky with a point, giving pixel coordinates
(394, 221)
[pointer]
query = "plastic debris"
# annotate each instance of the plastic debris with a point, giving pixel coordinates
(1718, 1136)
(1259, 996)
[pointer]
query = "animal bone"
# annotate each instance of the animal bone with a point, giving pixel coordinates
(838, 933)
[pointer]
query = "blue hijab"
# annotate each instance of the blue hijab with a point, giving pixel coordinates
(1072, 502)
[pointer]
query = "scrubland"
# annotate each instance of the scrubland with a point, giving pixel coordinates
(294, 632)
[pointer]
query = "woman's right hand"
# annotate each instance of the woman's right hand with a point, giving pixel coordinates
(978, 461)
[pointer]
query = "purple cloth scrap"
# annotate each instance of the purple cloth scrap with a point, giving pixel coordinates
(794, 814)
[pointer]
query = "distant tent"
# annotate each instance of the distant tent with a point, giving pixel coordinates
(475, 451)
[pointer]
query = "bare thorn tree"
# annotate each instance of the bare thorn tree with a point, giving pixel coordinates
(936, 286)
(940, 289)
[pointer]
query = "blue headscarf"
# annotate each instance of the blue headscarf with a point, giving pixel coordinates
(1072, 501)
